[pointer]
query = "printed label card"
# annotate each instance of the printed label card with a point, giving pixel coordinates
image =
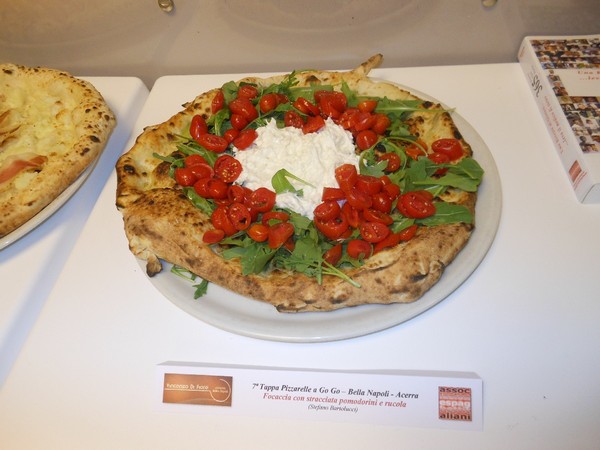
(451, 400)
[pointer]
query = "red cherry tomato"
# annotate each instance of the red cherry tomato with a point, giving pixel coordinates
(393, 190)
(245, 138)
(382, 123)
(213, 236)
(334, 228)
(333, 255)
(220, 220)
(239, 215)
(238, 121)
(262, 200)
(279, 234)
(258, 232)
(359, 199)
(373, 215)
(247, 91)
(231, 134)
(393, 161)
(382, 201)
(202, 170)
(416, 150)
(306, 107)
(327, 210)
(346, 120)
(313, 124)
(198, 127)
(236, 193)
(331, 193)
(352, 215)
(217, 189)
(212, 142)
(366, 139)
(272, 217)
(244, 107)
(218, 102)
(194, 159)
(415, 205)
(439, 158)
(359, 249)
(373, 232)
(227, 168)
(363, 121)
(293, 119)
(452, 148)
(184, 176)
(369, 184)
(346, 176)
(201, 187)
(367, 105)
(268, 102)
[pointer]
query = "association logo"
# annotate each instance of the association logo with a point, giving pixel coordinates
(455, 403)
(190, 389)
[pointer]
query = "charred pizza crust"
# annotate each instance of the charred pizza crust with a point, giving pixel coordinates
(52, 127)
(162, 224)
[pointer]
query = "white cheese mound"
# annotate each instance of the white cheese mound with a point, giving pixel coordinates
(311, 157)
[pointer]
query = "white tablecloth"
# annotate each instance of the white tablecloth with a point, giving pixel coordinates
(526, 321)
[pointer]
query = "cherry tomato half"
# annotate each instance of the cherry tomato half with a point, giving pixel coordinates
(245, 138)
(327, 210)
(244, 107)
(293, 119)
(452, 148)
(227, 168)
(258, 232)
(212, 142)
(279, 234)
(262, 200)
(366, 139)
(416, 205)
(373, 232)
(239, 215)
(213, 236)
(198, 127)
(333, 255)
(217, 102)
(184, 176)
(346, 176)
(359, 249)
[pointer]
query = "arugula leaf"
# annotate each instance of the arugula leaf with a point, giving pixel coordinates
(447, 213)
(201, 288)
(229, 91)
(253, 256)
(281, 184)
(203, 204)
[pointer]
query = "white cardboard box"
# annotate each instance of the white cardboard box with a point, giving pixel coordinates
(564, 75)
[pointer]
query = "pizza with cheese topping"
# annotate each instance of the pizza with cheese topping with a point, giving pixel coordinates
(312, 191)
(52, 127)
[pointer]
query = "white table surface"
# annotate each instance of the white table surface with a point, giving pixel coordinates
(526, 321)
(30, 265)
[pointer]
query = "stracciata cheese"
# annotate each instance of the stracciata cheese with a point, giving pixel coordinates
(311, 157)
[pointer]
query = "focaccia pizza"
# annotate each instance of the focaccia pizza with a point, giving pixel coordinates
(52, 127)
(311, 191)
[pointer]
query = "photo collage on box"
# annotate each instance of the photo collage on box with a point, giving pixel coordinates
(583, 113)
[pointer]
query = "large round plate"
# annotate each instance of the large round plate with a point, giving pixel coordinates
(48, 210)
(241, 315)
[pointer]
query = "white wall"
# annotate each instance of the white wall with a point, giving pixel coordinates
(137, 38)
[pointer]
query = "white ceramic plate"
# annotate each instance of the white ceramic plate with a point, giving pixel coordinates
(241, 315)
(48, 211)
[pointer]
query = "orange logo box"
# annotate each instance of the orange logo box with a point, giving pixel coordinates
(197, 389)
